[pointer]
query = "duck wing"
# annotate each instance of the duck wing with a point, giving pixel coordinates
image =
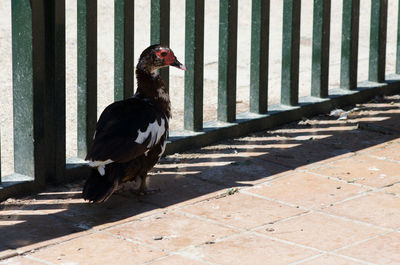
(127, 129)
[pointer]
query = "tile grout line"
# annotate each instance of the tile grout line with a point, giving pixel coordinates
(316, 210)
(382, 158)
(344, 218)
(306, 259)
(351, 258)
(205, 219)
(38, 260)
(177, 254)
(134, 241)
(341, 180)
(322, 252)
(360, 242)
(275, 200)
(26, 252)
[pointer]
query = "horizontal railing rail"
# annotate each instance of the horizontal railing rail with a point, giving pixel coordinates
(38, 54)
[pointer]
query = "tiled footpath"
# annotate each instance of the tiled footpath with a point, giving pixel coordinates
(319, 191)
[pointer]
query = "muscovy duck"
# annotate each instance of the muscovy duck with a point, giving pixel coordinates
(131, 134)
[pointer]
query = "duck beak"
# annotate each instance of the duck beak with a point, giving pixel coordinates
(177, 64)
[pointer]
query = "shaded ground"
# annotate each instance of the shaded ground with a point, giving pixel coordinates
(177, 42)
(320, 191)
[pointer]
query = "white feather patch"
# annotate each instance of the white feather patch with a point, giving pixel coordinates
(100, 165)
(163, 95)
(163, 148)
(153, 130)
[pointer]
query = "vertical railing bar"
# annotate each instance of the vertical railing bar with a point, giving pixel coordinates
(0, 157)
(320, 48)
(398, 41)
(87, 73)
(40, 86)
(123, 49)
(23, 87)
(349, 52)
(377, 48)
(227, 60)
(259, 56)
(56, 91)
(159, 32)
(194, 60)
(290, 52)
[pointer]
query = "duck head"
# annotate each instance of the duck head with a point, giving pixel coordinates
(156, 57)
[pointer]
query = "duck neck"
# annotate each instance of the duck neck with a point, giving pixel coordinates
(151, 87)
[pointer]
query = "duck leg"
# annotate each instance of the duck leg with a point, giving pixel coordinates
(143, 190)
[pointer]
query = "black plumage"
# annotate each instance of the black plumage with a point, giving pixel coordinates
(131, 134)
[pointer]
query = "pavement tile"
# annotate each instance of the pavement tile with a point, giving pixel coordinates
(306, 189)
(20, 260)
(242, 210)
(226, 165)
(381, 250)
(250, 249)
(172, 231)
(118, 209)
(354, 140)
(394, 189)
(177, 260)
(330, 260)
(303, 155)
(7, 253)
(176, 190)
(76, 211)
(375, 208)
(98, 249)
(391, 123)
(339, 141)
(320, 231)
(388, 152)
(245, 172)
(364, 170)
(34, 230)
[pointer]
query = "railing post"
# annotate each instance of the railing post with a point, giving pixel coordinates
(0, 157)
(23, 87)
(55, 92)
(87, 73)
(228, 13)
(290, 52)
(159, 33)
(48, 75)
(320, 49)
(259, 56)
(377, 47)
(123, 49)
(194, 59)
(398, 42)
(349, 54)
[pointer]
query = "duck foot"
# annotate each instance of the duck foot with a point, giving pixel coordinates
(148, 192)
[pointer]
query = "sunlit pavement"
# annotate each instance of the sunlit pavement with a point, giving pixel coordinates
(324, 190)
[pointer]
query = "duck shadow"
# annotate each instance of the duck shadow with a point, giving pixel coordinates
(183, 178)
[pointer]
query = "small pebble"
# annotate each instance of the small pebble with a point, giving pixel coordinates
(338, 187)
(158, 237)
(269, 229)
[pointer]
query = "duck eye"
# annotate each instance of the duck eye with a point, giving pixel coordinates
(163, 54)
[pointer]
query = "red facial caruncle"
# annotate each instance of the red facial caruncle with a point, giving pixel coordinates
(167, 55)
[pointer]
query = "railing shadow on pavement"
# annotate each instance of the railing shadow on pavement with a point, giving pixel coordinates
(200, 174)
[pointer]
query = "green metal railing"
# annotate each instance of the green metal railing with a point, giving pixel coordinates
(38, 51)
